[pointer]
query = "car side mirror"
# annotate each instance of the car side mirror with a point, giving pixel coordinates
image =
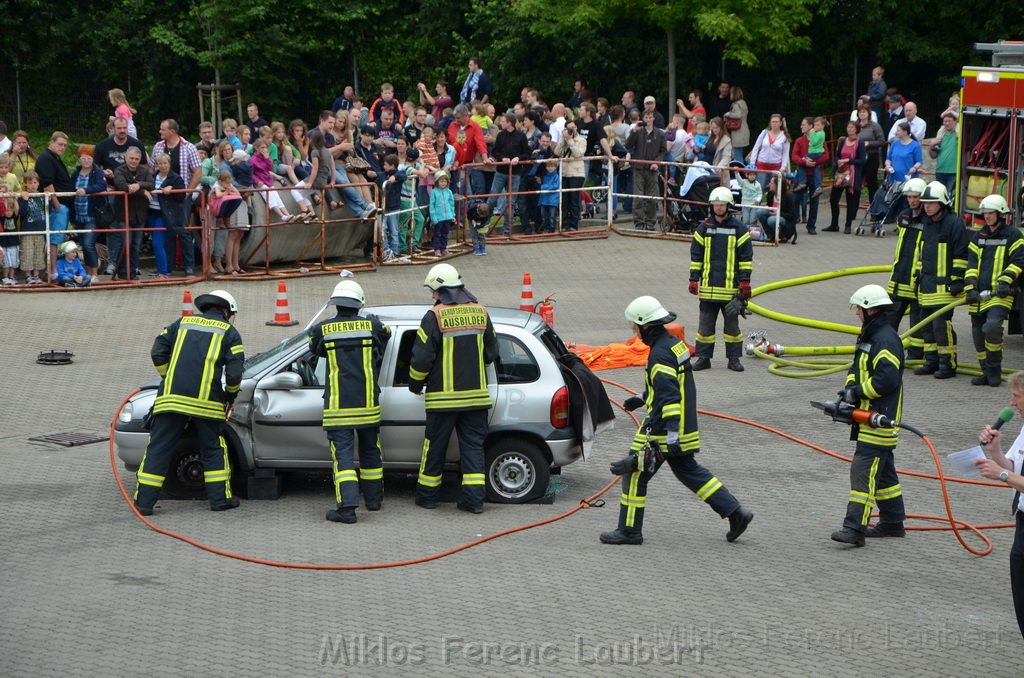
(282, 381)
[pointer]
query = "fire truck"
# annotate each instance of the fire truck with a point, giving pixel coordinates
(991, 134)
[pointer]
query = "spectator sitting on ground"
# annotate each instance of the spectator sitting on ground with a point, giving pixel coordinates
(70, 271)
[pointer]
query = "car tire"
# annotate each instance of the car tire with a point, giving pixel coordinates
(516, 471)
(184, 478)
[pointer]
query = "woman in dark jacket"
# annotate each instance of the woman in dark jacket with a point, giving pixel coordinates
(88, 179)
(789, 212)
(848, 173)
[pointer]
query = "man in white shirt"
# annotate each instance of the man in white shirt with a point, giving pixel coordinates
(556, 127)
(917, 124)
(5, 141)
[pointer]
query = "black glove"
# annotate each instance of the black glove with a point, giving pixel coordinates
(972, 296)
(633, 403)
(956, 287)
(1002, 290)
(416, 388)
(850, 394)
(623, 466)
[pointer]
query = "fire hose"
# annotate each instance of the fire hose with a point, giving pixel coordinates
(592, 501)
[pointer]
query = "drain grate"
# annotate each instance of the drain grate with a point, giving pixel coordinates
(52, 357)
(71, 438)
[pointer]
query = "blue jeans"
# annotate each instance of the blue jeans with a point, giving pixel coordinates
(737, 153)
(947, 180)
(115, 247)
(89, 241)
(499, 203)
(155, 221)
(176, 233)
(391, 232)
(58, 222)
(354, 200)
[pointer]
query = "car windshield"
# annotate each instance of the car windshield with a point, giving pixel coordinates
(262, 361)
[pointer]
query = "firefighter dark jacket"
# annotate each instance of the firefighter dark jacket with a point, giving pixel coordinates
(943, 258)
(721, 256)
(995, 255)
(669, 392)
(353, 346)
(908, 246)
(454, 345)
(877, 372)
(192, 354)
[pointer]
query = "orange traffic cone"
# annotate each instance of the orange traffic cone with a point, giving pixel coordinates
(282, 317)
(526, 301)
(186, 304)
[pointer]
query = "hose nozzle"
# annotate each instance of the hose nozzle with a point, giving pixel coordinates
(758, 341)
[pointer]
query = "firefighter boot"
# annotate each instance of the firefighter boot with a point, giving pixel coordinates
(701, 363)
(982, 379)
(931, 364)
(735, 365)
(738, 521)
(341, 514)
(886, 530)
(622, 535)
(945, 369)
(994, 368)
(226, 505)
(849, 536)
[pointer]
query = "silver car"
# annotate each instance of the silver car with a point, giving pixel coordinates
(276, 424)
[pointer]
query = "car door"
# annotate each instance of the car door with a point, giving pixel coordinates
(287, 424)
(403, 412)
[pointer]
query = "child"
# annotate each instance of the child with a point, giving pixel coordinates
(815, 149)
(8, 233)
(229, 127)
(123, 110)
(480, 116)
(750, 195)
(241, 170)
(70, 271)
(263, 177)
(244, 138)
(227, 208)
(393, 180)
(33, 247)
(479, 214)
(412, 216)
(386, 101)
(701, 134)
(549, 197)
(442, 212)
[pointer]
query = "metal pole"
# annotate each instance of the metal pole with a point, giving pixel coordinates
(355, 74)
(17, 91)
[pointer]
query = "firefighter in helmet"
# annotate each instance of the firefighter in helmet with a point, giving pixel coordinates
(721, 260)
(453, 346)
(940, 279)
(902, 288)
(874, 382)
(193, 355)
(995, 259)
(668, 434)
(353, 345)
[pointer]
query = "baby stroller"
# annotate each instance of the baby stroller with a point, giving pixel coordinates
(694, 209)
(885, 206)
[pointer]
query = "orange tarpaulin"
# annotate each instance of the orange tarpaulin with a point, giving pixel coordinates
(631, 353)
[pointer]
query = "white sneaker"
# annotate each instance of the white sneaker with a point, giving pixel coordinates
(368, 212)
(7, 282)
(389, 255)
(33, 280)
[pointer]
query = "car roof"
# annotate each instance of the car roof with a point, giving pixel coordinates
(414, 312)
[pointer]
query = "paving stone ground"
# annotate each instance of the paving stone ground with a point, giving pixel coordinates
(89, 590)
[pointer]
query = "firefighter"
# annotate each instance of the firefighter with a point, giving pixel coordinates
(353, 345)
(721, 260)
(191, 355)
(902, 288)
(669, 431)
(453, 347)
(940, 279)
(875, 383)
(994, 262)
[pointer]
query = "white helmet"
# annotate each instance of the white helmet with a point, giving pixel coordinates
(870, 296)
(935, 192)
(994, 203)
(72, 246)
(648, 310)
(348, 293)
(442, 275)
(915, 185)
(721, 195)
(218, 298)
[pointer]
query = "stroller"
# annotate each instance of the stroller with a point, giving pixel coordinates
(885, 207)
(694, 208)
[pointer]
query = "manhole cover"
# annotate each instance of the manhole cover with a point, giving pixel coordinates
(72, 438)
(52, 357)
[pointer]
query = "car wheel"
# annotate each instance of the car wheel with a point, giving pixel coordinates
(184, 478)
(516, 470)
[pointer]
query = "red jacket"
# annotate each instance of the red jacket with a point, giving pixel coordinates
(468, 141)
(799, 152)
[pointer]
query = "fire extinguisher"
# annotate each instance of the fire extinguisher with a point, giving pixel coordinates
(546, 309)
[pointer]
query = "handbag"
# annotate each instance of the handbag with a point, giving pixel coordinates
(356, 165)
(104, 214)
(733, 124)
(933, 151)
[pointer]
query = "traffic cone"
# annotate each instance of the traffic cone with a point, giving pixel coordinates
(526, 301)
(282, 317)
(186, 304)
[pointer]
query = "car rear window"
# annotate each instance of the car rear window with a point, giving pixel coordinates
(515, 363)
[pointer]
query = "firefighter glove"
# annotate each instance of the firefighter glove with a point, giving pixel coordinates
(633, 403)
(745, 289)
(736, 307)
(416, 388)
(1002, 289)
(623, 466)
(693, 287)
(850, 394)
(956, 287)
(972, 296)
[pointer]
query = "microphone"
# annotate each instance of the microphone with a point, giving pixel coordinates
(1005, 415)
